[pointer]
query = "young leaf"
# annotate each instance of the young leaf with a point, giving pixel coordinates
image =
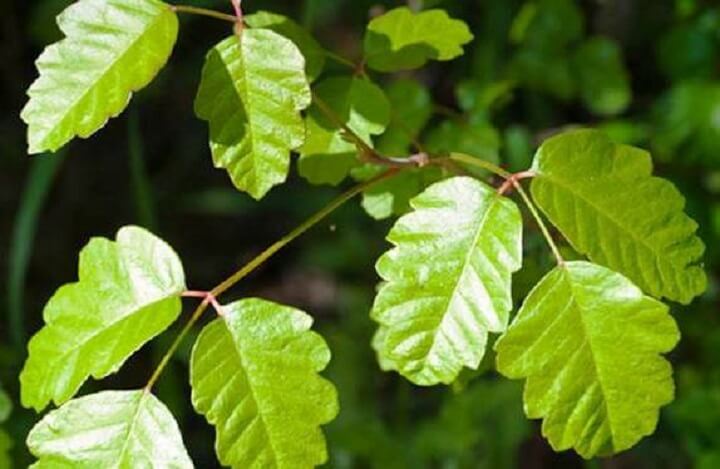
(589, 343)
(112, 48)
(254, 375)
(604, 199)
(448, 280)
(327, 156)
(403, 40)
(312, 51)
(411, 108)
(109, 429)
(252, 91)
(129, 292)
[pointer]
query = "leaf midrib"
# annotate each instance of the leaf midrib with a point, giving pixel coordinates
(102, 75)
(620, 227)
(481, 226)
(238, 348)
(588, 336)
(131, 426)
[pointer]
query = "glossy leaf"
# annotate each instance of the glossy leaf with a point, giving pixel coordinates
(251, 93)
(589, 342)
(607, 92)
(254, 375)
(112, 429)
(112, 48)
(328, 156)
(128, 292)
(604, 199)
(312, 51)
(403, 40)
(448, 280)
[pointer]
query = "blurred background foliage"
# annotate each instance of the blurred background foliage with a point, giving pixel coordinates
(645, 71)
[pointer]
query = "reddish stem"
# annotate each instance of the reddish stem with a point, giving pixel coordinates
(237, 5)
(208, 298)
(514, 179)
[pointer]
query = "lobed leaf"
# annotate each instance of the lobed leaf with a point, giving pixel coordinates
(328, 155)
(112, 48)
(254, 375)
(589, 342)
(128, 292)
(403, 40)
(448, 280)
(605, 201)
(312, 51)
(111, 429)
(251, 93)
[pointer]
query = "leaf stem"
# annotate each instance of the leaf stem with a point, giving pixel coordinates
(477, 162)
(366, 153)
(297, 232)
(176, 344)
(340, 59)
(543, 228)
(210, 298)
(203, 12)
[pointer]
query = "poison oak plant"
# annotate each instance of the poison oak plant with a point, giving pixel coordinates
(589, 339)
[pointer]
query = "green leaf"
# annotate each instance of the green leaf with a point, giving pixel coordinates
(549, 25)
(411, 108)
(448, 280)
(327, 156)
(112, 48)
(604, 199)
(478, 139)
(392, 196)
(254, 375)
(6, 405)
(686, 121)
(403, 40)
(251, 93)
(111, 429)
(6, 445)
(129, 292)
(589, 342)
(603, 80)
(312, 51)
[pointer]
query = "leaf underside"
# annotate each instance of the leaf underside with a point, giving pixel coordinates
(111, 429)
(128, 292)
(447, 280)
(588, 342)
(251, 93)
(254, 375)
(603, 198)
(112, 48)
